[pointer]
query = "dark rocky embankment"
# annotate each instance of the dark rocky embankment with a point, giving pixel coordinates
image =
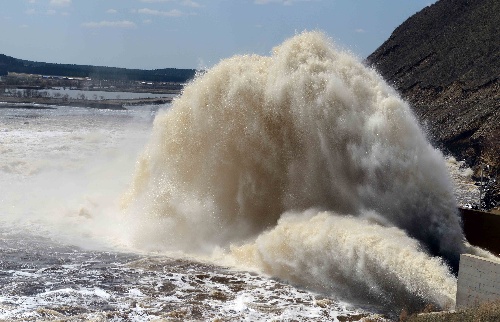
(445, 60)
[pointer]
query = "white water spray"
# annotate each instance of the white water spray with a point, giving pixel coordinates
(309, 127)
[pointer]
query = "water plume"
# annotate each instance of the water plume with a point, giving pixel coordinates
(309, 127)
(352, 258)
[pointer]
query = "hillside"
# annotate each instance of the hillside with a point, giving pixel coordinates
(445, 60)
(11, 64)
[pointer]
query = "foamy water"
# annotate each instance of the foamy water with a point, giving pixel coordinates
(252, 147)
(303, 166)
(65, 251)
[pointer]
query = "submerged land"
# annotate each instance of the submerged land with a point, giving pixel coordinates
(32, 91)
(35, 78)
(112, 104)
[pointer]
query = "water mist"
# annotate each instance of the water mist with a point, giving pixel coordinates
(307, 166)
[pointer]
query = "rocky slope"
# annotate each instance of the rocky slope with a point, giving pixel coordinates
(445, 60)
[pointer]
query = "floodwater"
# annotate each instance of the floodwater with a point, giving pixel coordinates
(297, 186)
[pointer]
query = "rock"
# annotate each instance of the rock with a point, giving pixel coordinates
(445, 61)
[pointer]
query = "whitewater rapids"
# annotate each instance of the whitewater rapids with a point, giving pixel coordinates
(307, 166)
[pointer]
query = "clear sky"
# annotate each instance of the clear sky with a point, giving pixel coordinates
(150, 34)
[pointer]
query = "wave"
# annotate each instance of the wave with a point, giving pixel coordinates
(308, 165)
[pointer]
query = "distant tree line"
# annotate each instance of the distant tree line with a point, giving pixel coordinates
(33, 93)
(10, 64)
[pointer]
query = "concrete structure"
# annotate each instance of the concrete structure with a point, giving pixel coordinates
(482, 229)
(478, 281)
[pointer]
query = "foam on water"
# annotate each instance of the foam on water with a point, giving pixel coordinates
(307, 166)
(351, 258)
(70, 284)
(62, 170)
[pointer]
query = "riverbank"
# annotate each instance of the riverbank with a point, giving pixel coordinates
(113, 104)
(485, 312)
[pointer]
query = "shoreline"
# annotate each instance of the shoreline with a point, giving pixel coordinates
(111, 104)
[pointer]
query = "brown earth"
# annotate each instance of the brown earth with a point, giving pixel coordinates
(445, 61)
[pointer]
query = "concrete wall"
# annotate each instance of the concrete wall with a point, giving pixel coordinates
(478, 281)
(482, 229)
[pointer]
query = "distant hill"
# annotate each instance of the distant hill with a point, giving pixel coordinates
(11, 64)
(445, 60)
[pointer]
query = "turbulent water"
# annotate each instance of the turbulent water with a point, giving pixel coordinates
(315, 165)
(303, 166)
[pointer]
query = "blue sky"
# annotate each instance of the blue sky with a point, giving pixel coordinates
(187, 33)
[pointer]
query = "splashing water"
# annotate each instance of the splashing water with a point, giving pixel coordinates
(305, 165)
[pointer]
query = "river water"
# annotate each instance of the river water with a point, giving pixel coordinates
(90, 95)
(60, 170)
(295, 187)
